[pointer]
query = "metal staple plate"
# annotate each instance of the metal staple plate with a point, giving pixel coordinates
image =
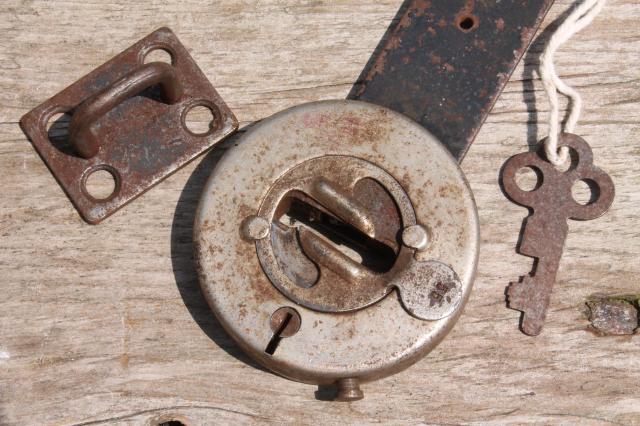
(143, 138)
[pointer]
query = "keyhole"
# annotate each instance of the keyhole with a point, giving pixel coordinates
(285, 322)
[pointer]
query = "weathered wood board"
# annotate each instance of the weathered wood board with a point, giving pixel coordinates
(105, 324)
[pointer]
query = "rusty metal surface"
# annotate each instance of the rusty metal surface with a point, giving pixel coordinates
(285, 322)
(307, 245)
(136, 135)
(444, 63)
(349, 390)
(345, 255)
(83, 127)
(330, 347)
(545, 230)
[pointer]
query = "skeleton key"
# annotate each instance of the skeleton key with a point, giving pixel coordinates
(545, 230)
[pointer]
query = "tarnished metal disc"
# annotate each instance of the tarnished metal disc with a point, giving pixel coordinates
(380, 179)
(379, 209)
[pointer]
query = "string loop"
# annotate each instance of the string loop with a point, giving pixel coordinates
(577, 20)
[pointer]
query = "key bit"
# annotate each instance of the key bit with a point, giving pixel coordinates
(521, 296)
(545, 230)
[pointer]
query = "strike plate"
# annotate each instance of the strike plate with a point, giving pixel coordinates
(142, 138)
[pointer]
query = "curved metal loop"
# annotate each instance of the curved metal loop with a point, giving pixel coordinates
(81, 132)
(323, 253)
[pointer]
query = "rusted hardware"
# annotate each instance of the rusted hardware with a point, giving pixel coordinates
(285, 322)
(349, 390)
(349, 226)
(82, 129)
(312, 244)
(367, 225)
(444, 63)
(120, 124)
(545, 230)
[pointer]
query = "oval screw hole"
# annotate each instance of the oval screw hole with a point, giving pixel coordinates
(159, 55)
(200, 120)
(168, 420)
(101, 184)
(467, 23)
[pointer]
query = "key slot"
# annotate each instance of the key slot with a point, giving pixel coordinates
(298, 209)
(285, 322)
(275, 340)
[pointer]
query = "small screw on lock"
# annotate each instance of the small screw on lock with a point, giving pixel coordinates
(254, 228)
(415, 237)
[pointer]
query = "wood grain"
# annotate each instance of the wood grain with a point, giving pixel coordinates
(105, 324)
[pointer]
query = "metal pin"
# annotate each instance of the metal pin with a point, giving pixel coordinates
(349, 390)
(415, 237)
(255, 228)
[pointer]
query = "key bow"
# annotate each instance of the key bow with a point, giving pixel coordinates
(554, 188)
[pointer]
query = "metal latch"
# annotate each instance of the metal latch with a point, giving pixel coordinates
(122, 125)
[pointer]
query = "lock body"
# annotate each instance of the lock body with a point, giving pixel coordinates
(337, 242)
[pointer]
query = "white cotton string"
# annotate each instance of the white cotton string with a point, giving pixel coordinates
(577, 20)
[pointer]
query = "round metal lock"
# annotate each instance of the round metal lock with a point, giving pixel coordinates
(337, 243)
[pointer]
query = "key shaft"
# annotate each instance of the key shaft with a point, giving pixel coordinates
(533, 294)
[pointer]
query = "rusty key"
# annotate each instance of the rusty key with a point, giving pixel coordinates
(545, 230)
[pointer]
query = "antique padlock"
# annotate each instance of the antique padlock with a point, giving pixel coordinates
(337, 242)
(307, 227)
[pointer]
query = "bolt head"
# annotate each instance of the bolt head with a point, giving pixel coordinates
(254, 228)
(349, 390)
(415, 237)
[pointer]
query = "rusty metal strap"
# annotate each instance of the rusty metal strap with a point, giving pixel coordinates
(444, 63)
